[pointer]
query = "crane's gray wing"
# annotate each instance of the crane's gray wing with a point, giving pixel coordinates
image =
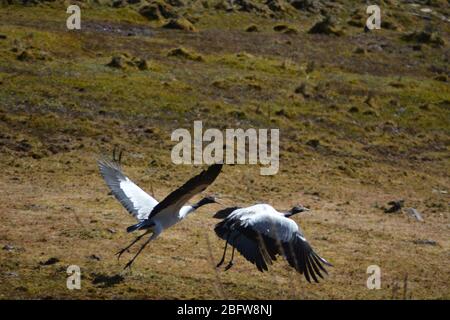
(271, 224)
(134, 199)
(302, 258)
(246, 245)
(281, 235)
(175, 200)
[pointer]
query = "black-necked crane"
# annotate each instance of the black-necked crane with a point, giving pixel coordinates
(154, 217)
(260, 233)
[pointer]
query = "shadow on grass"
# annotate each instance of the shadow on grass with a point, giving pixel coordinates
(105, 281)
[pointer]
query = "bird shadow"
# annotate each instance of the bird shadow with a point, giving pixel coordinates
(106, 281)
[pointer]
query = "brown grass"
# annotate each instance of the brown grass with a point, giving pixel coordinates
(57, 116)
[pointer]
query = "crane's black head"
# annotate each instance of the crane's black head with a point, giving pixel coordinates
(295, 210)
(205, 200)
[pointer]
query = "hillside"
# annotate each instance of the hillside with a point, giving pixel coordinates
(364, 119)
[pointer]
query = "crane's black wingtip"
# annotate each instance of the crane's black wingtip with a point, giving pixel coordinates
(214, 170)
(223, 213)
(216, 166)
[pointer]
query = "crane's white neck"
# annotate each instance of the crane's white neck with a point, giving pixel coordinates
(185, 211)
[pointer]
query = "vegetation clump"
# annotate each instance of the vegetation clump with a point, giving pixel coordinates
(180, 24)
(286, 29)
(306, 5)
(326, 26)
(426, 37)
(125, 61)
(252, 28)
(158, 10)
(184, 53)
(32, 54)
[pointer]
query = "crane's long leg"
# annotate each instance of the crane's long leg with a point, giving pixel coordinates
(224, 252)
(128, 265)
(230, 264)
(130, 245)
(115, 158)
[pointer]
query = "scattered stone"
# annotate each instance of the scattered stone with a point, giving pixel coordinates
(12, 274)
(224, 5)
(118, 62)
(310, 67)
(426, 10)
(23, 146)
(176, 3)
(141, 64)
(8, 247)
(244, 55)
(252, 28)
(326, 26)
(276, 5)
(283, 113)
(440, 191)
(425, 242)
(119, 3)
(158, 10)
(370, 113)
(25, 55)
(426, 37)
(306, 5)
(291, 31)
(370, 100)
(313, 143)
(185, 54)
(357, 19)
(441, 77)
(353, 109)
(94, 257)
(395, 206)
(281, 27)
(57, 148)
(250, 6)
(29, 55)
(304, 90)
(414, 213)
(111, 230)
(360, 50)
(180, 24)
(49, 262)
(124, 61)
(374, 47)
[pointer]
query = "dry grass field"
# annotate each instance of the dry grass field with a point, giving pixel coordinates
(364, 119)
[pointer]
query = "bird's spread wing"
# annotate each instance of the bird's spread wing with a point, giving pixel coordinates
(174, 201)
(271, 224)
(302, 258)
(281, 235)
(271, 234)
(133, 198)
(251, 249)
(222, 214)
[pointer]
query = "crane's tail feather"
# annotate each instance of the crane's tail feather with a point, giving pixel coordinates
(140, 225)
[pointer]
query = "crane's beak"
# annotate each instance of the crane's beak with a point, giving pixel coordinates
(218, 202)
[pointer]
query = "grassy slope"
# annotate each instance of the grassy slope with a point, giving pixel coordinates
(57, 115)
